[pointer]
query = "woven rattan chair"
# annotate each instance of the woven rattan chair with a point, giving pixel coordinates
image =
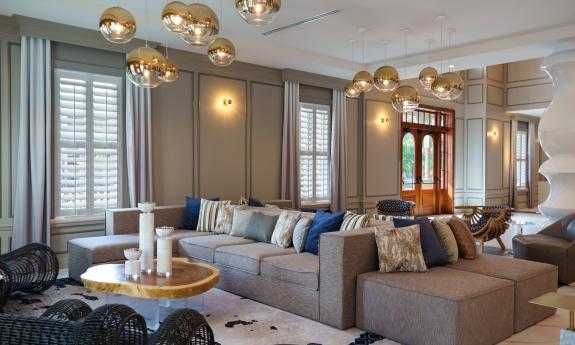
(396, 208)
(32, 269)
(487, 222)
(72, 322)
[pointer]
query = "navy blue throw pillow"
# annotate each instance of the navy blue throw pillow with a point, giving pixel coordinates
(322, 222)
(192, 212)
(432, 251)
(255, 202)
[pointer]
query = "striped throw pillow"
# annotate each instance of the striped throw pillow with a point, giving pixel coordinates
(352, 221)
(209, 215)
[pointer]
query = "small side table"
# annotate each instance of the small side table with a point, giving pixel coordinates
(560, 301)
(520, 224)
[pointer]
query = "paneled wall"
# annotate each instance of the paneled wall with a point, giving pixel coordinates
(528, 87)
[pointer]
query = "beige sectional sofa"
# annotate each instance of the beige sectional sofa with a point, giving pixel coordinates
(480, 301)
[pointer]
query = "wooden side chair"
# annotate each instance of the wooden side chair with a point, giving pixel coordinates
(487, 222)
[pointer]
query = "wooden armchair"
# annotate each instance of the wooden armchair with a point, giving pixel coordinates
(487, 222)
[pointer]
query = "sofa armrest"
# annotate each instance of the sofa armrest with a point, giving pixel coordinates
(127, 220)
(342, 257)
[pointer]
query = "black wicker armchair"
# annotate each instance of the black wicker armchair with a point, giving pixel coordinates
(73, 322)
(396, 208)
(32, 268)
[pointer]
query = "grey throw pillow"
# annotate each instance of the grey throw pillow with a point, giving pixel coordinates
(260, 227)
(300, 234)
(240, 222)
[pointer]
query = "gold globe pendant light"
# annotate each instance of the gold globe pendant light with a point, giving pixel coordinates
(428, 74)
(258, 12)
(170, 72)
(405, 98)
(175, 16)
(145, 67)
(221, 52)
(448, 86)
(117, 25)
(386, 78)
(351, 91)
(363, 81)
(202, 25)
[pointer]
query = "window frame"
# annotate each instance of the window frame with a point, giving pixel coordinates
(90, 78)
(524, 133)
(314, 153)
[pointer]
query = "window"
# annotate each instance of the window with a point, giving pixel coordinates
(314, 141)
(88, 169)
(521, 156)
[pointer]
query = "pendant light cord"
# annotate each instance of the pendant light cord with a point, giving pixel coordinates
(363, 48)
(147, 23)
(385, 53)
(405, 54)
(449, 49)
(221, 17)
(442, 53)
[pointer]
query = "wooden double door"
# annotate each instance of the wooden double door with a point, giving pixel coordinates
(420, 169)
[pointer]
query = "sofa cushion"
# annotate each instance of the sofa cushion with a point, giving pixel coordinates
(352, 221)
(531, 279)
(300, 269)
(106, 248)
(399, 250)
(247, 257)
(430, 244)
(442, 306)
(300, 233)
(192, 213)
(447, 239)
(261, 227)
(283, 231)
(204, 247)
(240, 221)
(464, 238)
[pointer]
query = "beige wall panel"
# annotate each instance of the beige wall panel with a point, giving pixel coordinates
(173, 140)
(506, 153)
(475, 154)
(495, 73)
(474, 201)
(494, 156)
(266, 141)
(475, 74)
(222, 131)
(531, 94)
(525, 70)
(352, 146)
(459, 154)
(495, 95)
(382, 150)
(314, 94)
(475, 94)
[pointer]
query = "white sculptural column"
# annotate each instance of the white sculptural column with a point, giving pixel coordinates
(557, 132)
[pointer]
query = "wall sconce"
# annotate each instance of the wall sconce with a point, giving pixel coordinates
(492, 133)
(384, 120)
(227, 102)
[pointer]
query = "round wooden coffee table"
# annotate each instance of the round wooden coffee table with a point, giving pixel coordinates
(152, 296)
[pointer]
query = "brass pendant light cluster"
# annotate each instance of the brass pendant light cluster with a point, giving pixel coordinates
(405, 98)
(196, 24)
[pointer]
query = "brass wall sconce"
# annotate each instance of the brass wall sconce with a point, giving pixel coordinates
(492, 133)
(227, 102)
(384, 120)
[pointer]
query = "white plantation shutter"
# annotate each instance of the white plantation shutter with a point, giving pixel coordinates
(521, 157)
(314, 152)
(88, 156)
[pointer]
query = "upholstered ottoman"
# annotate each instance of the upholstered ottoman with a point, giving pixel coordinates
(440, 307)
(531, 279)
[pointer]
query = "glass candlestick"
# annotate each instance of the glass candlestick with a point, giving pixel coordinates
(132, 264)
(164, 264)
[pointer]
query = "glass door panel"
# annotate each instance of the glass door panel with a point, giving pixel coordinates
(408, 172)
(427, 159)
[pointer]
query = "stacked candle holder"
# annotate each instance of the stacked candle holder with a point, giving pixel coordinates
(164, 262)
(147, 237)
(132, 264)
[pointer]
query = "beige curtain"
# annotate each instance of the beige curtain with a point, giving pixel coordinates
(338, 151)
(290, 184)
(139, 144)
(513, 166)
(32, 197)
(533, 175)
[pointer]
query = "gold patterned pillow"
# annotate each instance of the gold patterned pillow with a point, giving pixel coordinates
(283, 231)
(225, 217)
(447, 239)
(464, 238)
(399, 250)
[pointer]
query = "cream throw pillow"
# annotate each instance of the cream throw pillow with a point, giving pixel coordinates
(300, 234)
(447, 240)
(399, 250)
(283, 231)
(225, 218)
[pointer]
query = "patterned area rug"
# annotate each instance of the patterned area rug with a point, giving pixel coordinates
(234, 320)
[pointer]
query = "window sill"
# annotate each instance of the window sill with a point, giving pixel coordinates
(316, 204)
(70, 220)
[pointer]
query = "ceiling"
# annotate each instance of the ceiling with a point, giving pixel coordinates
(486, 32)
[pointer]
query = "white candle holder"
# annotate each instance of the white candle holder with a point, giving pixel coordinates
(147, 237)
(164, 264)
(132, 264)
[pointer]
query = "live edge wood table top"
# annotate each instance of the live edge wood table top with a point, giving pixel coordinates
(188, 279)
